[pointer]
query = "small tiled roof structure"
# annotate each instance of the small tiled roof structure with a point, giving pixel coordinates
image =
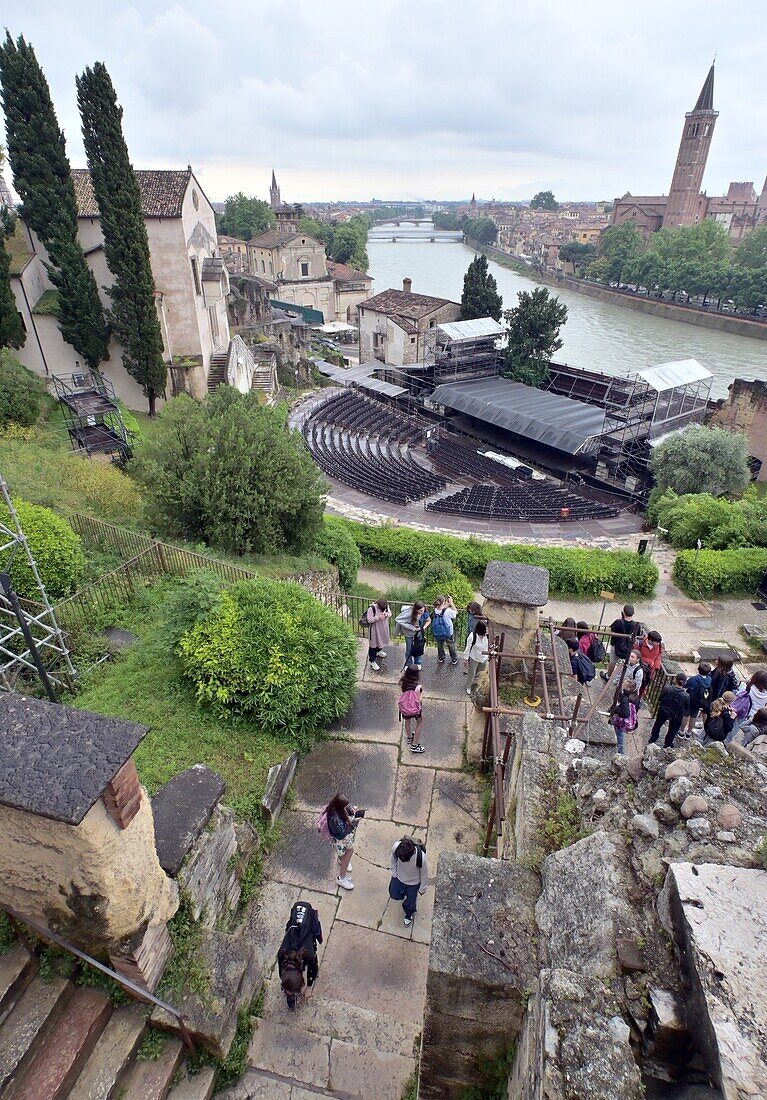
(342, 273)
(212, 269)
(402, 303)
(56, 761)
(162, 193)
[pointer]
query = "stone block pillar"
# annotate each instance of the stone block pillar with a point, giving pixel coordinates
(481, 963)
(513, 593)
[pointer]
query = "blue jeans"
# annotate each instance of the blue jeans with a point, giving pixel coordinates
(619, 738)
(408, 895)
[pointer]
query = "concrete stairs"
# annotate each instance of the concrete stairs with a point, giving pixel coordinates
(217, 370)
(59, 1040)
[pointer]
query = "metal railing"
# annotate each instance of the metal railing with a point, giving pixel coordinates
(136, 991)
(351, 608)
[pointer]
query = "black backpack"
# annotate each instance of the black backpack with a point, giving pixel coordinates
(300, 931)
(583, 668)
(419, 643)
(597, 651)
(714, 728)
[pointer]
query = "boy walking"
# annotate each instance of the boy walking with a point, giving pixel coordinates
(409, 875)
(621, 646)
(443, 628)
(673, 708)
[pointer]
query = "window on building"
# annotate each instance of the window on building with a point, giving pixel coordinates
(263, 266)
(412, 339)
(304, 270)
(432, 324)
(196, 274)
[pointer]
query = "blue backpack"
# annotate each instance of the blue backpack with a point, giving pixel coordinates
(440, 626)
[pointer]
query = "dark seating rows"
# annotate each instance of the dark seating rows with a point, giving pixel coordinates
(357, 413)
(461, 460)
(531, 501)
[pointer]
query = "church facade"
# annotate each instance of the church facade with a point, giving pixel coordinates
(739, 211)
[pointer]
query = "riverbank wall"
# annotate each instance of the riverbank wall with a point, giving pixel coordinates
(673, 311)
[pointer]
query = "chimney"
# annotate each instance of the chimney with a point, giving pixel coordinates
(407, 286)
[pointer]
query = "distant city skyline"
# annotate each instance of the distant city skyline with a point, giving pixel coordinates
(432, 101)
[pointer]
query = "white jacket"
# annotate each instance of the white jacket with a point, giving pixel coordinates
(476, 648)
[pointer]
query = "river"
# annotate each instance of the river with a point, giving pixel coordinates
(597, 336)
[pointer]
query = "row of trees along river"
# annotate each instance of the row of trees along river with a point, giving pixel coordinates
(597, 336)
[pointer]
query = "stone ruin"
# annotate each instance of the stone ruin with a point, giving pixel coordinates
(621, 943)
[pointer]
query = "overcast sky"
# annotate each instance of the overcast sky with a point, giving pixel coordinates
(415, 98)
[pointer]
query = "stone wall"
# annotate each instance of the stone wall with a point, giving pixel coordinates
(745, 410)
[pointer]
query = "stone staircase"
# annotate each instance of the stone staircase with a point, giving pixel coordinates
(59, 1040)
(217, 370)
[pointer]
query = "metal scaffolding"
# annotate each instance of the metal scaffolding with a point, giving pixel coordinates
(31, 640)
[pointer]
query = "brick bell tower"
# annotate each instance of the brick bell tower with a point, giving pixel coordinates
(686, 205)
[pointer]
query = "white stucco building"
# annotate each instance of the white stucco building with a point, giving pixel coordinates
(398, 327)
(191, 285)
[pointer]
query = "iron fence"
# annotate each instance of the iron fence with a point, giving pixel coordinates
(352, 608)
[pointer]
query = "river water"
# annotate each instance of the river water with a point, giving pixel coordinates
(597, 336)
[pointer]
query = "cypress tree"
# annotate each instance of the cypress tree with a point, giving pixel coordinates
(41, 174)
(135, 323)
(11, 329)
(480, 296)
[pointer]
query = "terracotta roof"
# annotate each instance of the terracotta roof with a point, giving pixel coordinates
(345, 274)
(162, 193)
(402, 322)
(405, 304)
(271, 239)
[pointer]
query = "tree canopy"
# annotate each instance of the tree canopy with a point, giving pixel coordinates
(348, 244)
(533, 336)
(43, 179)
(245, 216)
(135, 323)
(480, 296)
(544, 200)
(320, 231)
(482, 230)
(228, 471)
(701, 460)
(619, 245)
(577, 254)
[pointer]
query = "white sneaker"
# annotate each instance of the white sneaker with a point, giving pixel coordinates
(381, 653)
(345, 883)
(375, 665)
(348, 870)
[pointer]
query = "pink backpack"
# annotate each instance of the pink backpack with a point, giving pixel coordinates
(409, 704)
(322, 826)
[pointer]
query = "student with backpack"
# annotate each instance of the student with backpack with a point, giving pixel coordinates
(581, 666)
(443, 628)
(298, 952)
(626, 628)
(590, 643)
(699, 689)
(635, 675)
(723, 678)
(409, 875)
(410, 707)
(475, 655)
(650, 650)
(751, 698)
(718, 723)
(337, 824)
(623, 714)
(673, 708)
(412, 622)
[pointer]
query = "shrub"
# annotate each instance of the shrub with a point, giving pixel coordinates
(336, 544)
(720, 524)
(21, 392)
(719, 571)
(55, 548)
(571, 572)
(700, 459)
(442, 578)
(271, 651)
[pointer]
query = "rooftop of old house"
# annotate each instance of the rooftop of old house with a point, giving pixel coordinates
(56, 761)
(162, 193)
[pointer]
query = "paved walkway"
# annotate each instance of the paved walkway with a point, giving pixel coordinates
(356, 1037)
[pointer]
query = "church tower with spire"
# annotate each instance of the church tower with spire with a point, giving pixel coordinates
(274, 193)
(686, 205)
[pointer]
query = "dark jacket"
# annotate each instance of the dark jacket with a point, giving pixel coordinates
(721, 682)
(698, 687)
(629, 627)
(674, 702)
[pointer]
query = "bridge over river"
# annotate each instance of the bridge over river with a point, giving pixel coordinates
(408, 230)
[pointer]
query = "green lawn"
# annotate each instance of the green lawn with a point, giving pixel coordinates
(145, 685)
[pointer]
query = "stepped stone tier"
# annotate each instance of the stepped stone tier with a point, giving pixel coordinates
(77, 852)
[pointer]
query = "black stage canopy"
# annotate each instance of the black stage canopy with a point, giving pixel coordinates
(545, 417)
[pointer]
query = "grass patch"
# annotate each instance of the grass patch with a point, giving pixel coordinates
(7, 934)
(152, 1045)
(492, 1076)
(92, 978)
(559, 824)
(185, 969)
(146, 685)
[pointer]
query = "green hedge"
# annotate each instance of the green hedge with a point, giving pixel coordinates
(337, 545)
(572, 572)
(724, 571)
(55, 548)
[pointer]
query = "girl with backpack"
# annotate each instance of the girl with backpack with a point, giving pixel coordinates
(751, 698)
(412, 621)
(623, 714)
(409, 876)
(337, 823)
(298, 951)
(475, 654)
(410, 709)
(718, 723)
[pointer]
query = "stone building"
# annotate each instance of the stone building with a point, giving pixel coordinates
(398, 327)
(739, 211)
(191, 283)
(745, 410)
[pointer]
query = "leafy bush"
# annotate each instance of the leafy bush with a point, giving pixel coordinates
(55, 548)
(711, 460)
(337, 545)
(21, 392)
(192, 598)
(571, 572)
(272, 652)
(720, 524)
(442, 578)
(719, 571)
(230, 472)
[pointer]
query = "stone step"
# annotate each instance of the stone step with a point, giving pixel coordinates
(17, 968)
(66, 1048)
(256, 1084)
(111, 1055)
(27, 1026)
(197, 1087)
(152, 1078)
(321, 1062)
